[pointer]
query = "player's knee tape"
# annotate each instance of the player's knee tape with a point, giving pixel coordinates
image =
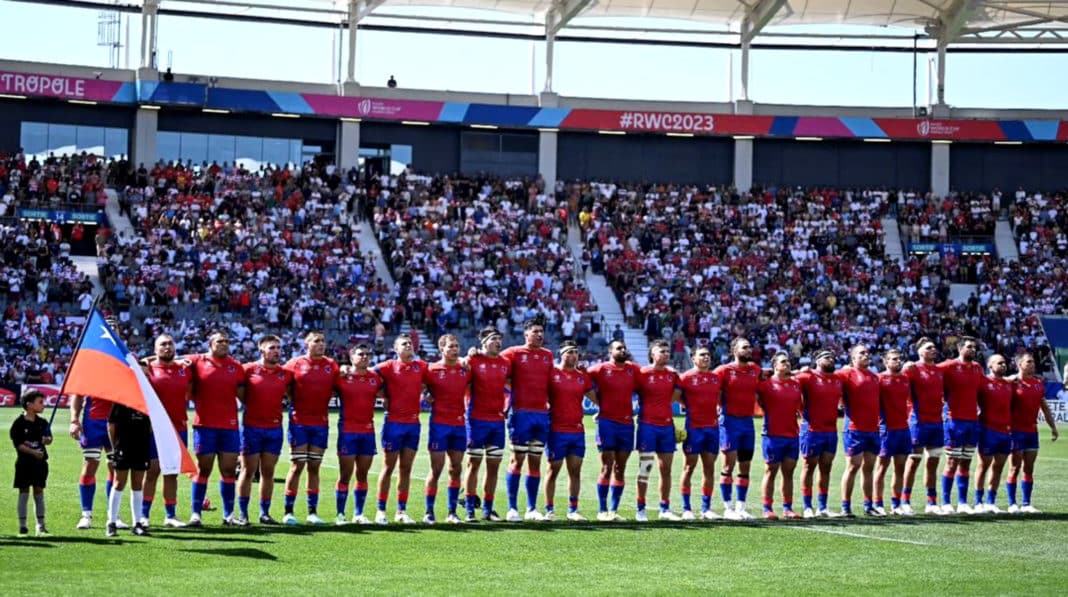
(916, 456)
(745, 455)
(646, 462)
(967, 452)
(315, 457)
(476, 452)
(494, 453)
(91, 453)
(934, 452)
(520, 448)
(952, 452)
(536, 448)
(298, 457)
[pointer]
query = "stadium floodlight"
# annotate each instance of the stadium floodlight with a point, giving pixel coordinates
(284, 115)
(877, 140)
(808, 138)
(149, 107)
(11, 96)
(1008, 142)
(680, 134)
(743, 137)
(215, 111)
(348, 119)
(603, 132)
(548, 130)
(490, 127)
(415, 122)
(82, 102)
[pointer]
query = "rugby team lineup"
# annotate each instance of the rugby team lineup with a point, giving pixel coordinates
(920, 413)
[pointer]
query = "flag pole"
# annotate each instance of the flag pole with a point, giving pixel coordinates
(77, 346)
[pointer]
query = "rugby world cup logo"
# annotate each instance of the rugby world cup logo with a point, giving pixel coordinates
(365, 106)
(923, 128)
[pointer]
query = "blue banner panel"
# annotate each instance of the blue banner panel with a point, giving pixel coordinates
(500, 115)
(241, 100)
(162, 92)
(62, 216)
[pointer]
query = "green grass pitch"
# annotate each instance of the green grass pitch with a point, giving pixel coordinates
(1019, 555)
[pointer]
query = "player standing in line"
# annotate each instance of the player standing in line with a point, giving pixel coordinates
(130, 433)
(614, 383)
(485, 422)
(822, 392)
(737, 439)
(528, 426)
(403, 378)
(894, 438)
(700, 391)
(962, 378)
(314, 378)
(781, 399)
(267, 386)
(1029, 396)
(173, 383)
(925, 425)
(656, 427)
(358, 387)
(568, 387)
(446, 382)
(218, 383)
(89, 427)
(995, 428)
(861, 435)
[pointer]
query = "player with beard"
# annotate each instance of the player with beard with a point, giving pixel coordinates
(822, 392)
(861, 435)
(995, 439)
(266, 391)
(927, 385)
(173, 382)
(737, 439)
(962, 378)
(614, 383)
(894, 438)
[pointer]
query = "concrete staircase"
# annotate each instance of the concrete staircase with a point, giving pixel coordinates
(959, 293)
(1005, 243)
(87, 265)
(608, 306)
(365, 232)
(120, 224)
(894, 248)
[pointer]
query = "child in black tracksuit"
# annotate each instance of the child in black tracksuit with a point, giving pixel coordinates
(30, 434)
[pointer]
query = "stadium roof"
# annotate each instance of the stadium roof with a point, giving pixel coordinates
(945, 21)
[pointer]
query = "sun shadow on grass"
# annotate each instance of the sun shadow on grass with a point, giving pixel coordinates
(25, 543)
(236, 552)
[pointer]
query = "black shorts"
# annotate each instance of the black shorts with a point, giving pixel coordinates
(131, 457)
(30, 473)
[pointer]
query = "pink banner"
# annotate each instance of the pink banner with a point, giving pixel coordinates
(366, 107)
(42, 85)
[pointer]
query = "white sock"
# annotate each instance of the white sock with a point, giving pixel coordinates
(136, 500)
(114, 501)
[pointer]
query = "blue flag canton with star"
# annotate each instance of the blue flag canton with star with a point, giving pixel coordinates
(100, 337)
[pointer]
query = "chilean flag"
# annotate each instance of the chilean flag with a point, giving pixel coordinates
(104, 368)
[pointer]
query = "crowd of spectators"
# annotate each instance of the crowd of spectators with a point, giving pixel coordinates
(468, 252)
(218, 246)
(795, 271)
(928, 218)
